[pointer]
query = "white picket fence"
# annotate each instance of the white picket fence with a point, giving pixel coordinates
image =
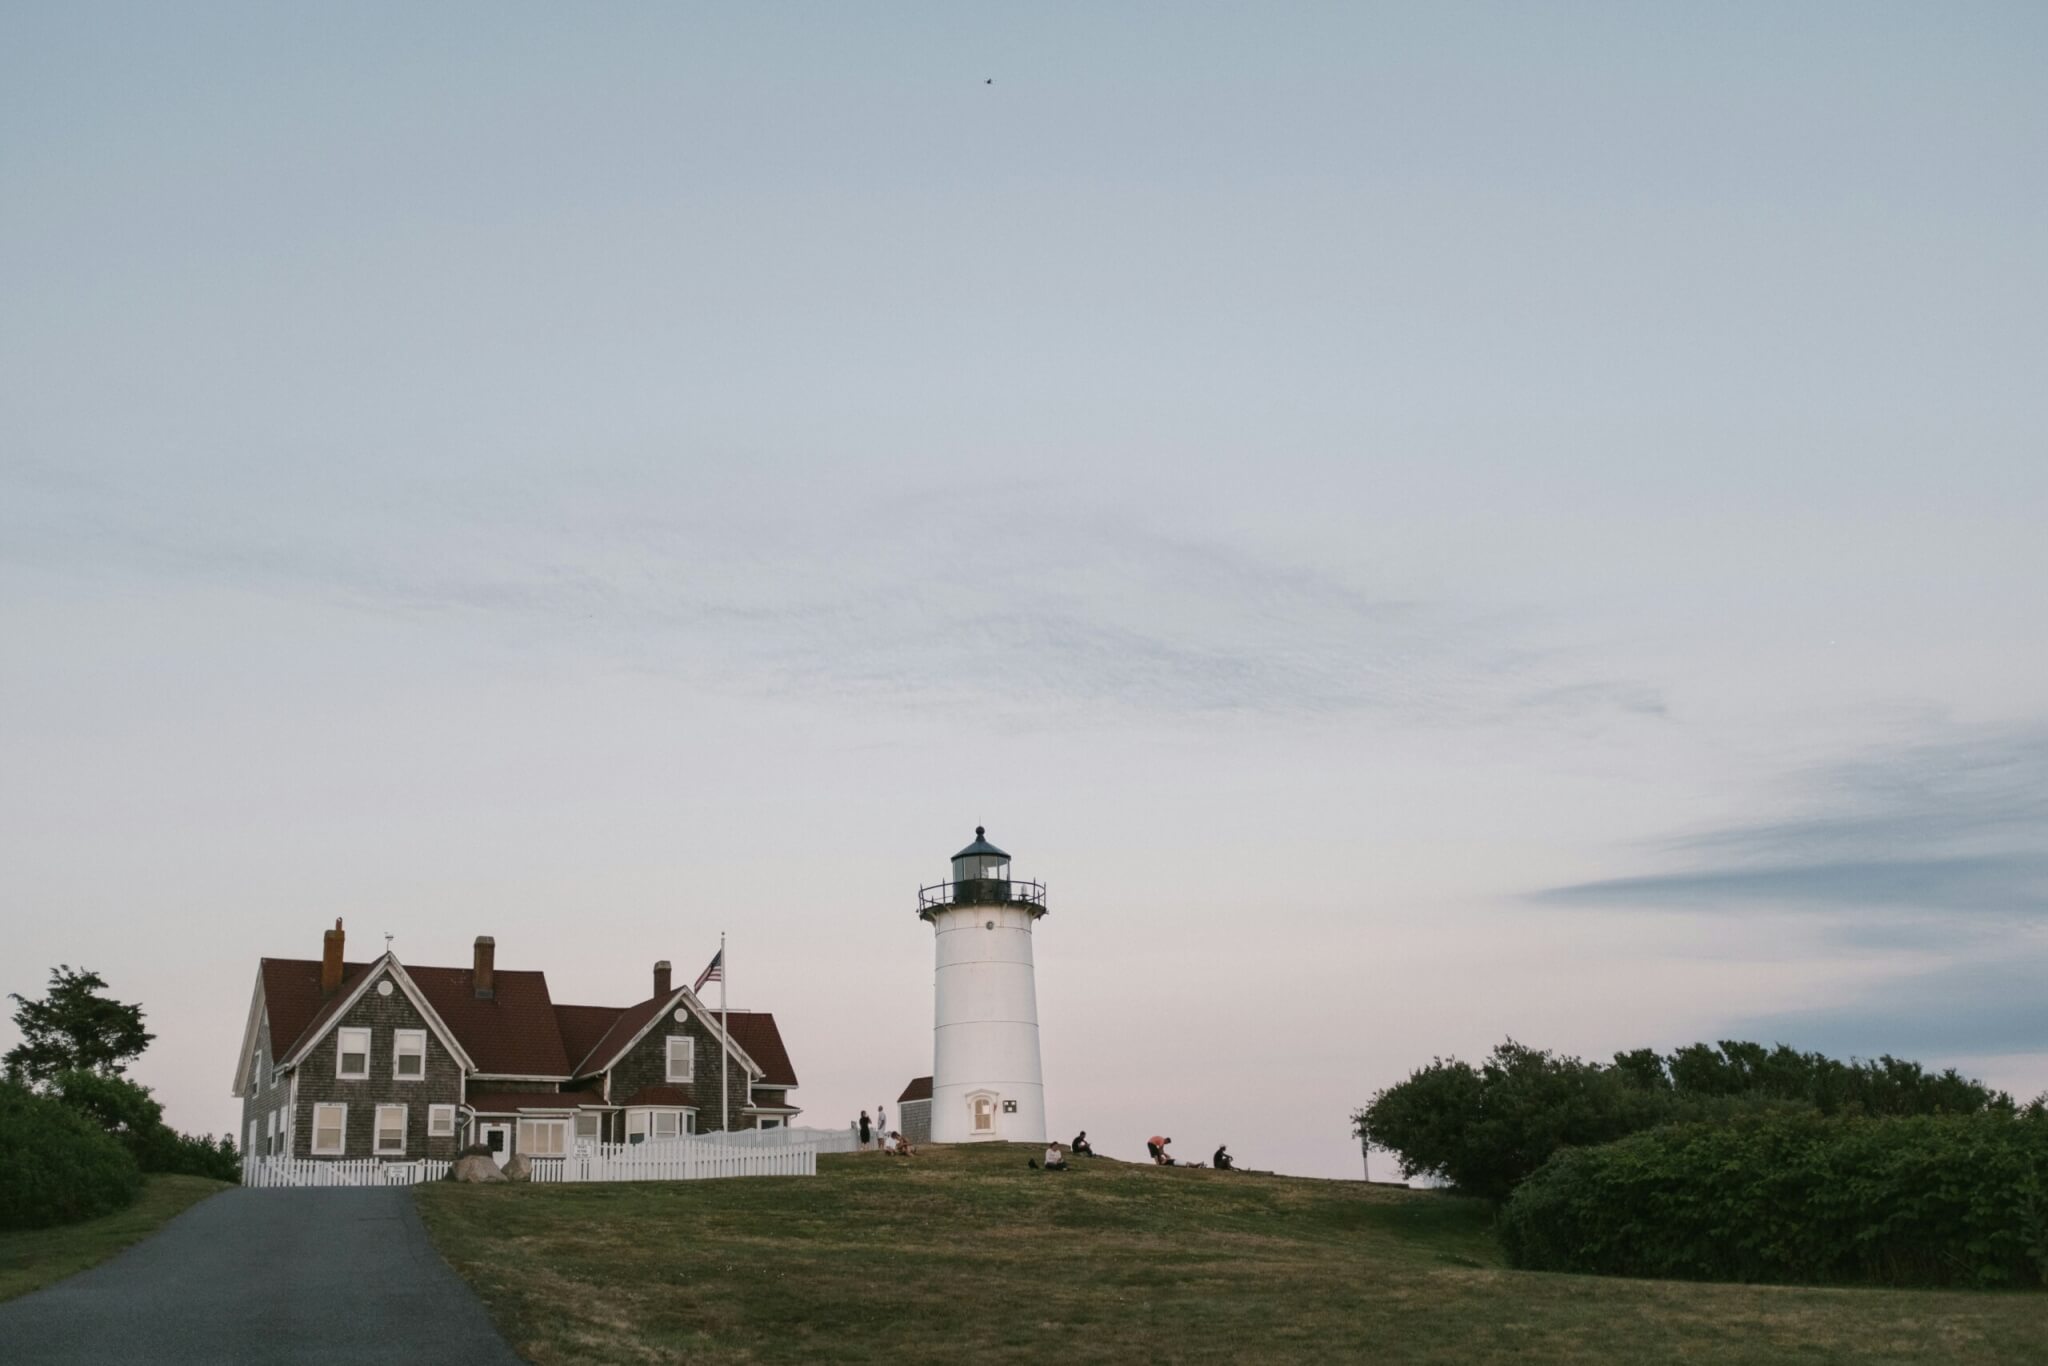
(824, 1140)
(361, 1171)
(662, 1160)
(675, 1160)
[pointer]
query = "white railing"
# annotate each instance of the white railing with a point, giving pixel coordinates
(360, 1171)
(824, 1140)
(675, 1160)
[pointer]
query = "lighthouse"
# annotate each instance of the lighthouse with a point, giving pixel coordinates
(986, 1085)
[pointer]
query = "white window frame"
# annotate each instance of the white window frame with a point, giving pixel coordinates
(342, 1050)
(675, 1124)
(377, 1148)
(637, 1125)
(559, 1125)
(399, 1038)
(341, 1148)
(249, 1148)
(440, 1121)
(689, 1072)
(596, 1120)
(766, 1123)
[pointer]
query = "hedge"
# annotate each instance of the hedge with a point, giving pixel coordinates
(60, 1166)
(1936, 1200)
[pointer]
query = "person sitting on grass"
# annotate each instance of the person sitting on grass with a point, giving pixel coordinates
(1222, 1161)
(1156, 1146)
(1055, 1160)
(896, 1145)
(1079, 1147)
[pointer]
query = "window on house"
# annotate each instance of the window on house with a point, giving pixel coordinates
(771, 1124)
(250, 1147)
(330, 1130)
(440, 1121)
(589, 1126)
(690, 1122)
(984, 1115)
(636, 1126)
(256, 1070)
(543, 1137)
(390, 1131)
(276, 1144)
(352, 1054)
(408, 1054)
(667, 1124)
(682, 1058)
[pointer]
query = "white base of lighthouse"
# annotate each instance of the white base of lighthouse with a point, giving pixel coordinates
(986, 1084)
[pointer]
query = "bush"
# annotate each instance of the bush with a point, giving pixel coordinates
(1486, 1128)
(60, 1167)
(1924, 1200)
(134, 1118)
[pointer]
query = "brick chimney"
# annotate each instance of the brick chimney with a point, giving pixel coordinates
(661, 982)
(484, 973)
(330, 960)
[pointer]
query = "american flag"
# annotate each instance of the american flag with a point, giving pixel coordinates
(714, 971)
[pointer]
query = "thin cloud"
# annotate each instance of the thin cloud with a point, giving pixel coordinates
(938, 604)
(1954, 825)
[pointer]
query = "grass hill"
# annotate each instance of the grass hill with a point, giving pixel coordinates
(965, 1254)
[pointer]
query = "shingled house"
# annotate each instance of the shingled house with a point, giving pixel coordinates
(383, 1059)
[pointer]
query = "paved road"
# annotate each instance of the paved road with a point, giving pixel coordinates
(319, 1276)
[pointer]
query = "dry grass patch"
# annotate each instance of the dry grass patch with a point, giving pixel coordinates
(966, 1253)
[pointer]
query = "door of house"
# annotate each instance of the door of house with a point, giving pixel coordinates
(498, 1138)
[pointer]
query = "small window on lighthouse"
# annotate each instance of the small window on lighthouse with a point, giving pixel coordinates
(984, 1115)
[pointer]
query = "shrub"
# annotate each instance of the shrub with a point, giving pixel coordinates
(1486, 1128)
(127, 1112)
(1922, 1200)
(60, 1166)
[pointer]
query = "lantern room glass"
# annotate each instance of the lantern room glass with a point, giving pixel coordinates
(977, 866)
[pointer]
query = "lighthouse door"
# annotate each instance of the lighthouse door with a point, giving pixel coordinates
(983, 1108)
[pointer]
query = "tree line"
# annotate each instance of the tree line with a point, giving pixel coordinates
(79, 1134)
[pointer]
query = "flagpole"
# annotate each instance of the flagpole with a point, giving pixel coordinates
(724, 1044)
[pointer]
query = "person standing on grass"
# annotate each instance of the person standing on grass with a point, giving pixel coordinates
(1157, 1147)
(881, 1119)
(866, 1130)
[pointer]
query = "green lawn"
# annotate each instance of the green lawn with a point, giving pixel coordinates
(965, 1254)
(32, 1258)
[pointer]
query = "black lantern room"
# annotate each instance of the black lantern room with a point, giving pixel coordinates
(981, 877)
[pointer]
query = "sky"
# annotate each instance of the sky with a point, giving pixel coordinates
(1421, 524)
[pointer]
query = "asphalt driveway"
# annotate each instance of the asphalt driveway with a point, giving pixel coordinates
(327, 1276)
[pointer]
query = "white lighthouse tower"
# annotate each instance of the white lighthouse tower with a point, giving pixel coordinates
(986, 1085)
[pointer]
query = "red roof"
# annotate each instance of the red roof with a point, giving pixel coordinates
(519, 1032)
(629, 1023)
(511, 1102)
(920, 1088)
(583, 1026)
(291, 991)
(513, 1034)
(755, 1032)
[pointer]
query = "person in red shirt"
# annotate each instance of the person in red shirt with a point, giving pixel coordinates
(1157, 1147)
